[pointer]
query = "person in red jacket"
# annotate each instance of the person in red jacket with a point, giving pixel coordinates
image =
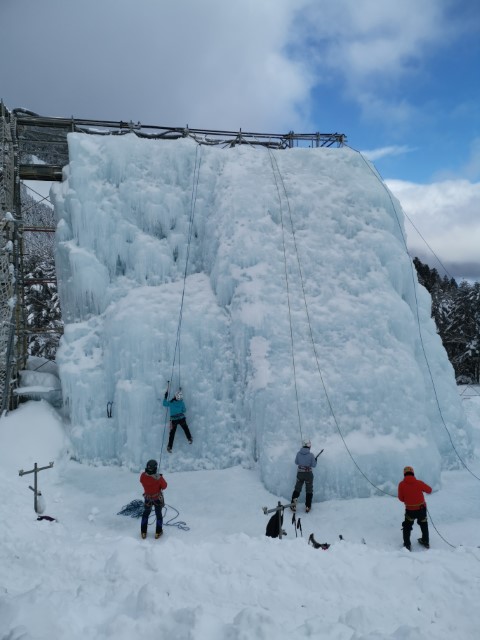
(410, 492)
(153, 484)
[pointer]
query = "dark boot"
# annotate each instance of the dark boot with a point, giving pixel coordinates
(144, 522)
(295, 495)
(407, 529)
(308, 502)
(425, 538)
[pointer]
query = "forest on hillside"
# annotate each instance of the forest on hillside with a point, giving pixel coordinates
(456, 311)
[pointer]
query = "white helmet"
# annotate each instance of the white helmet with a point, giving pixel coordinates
(307, 443)
(179, 395)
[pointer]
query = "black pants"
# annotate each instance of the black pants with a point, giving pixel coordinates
(147, 509)
(307, 478)
(420, 515)
(173, 427)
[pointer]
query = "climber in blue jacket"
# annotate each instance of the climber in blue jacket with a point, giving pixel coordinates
(177, 417)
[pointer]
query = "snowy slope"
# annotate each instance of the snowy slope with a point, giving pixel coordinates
(90, 575)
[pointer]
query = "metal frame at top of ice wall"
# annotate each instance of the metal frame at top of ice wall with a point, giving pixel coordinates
(16, 127)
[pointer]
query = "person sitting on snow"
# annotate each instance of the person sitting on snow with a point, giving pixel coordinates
(153, 484)
(306, 461)
(410, 491)
(177, 417)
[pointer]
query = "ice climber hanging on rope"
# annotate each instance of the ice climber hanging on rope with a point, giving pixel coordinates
(177, 417)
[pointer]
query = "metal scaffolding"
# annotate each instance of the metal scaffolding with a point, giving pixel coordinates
(24, 134)
(12, 335)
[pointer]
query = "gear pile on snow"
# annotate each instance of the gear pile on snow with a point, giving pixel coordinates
(317, 545)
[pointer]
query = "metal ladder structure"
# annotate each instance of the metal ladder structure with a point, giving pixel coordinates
(22, 134)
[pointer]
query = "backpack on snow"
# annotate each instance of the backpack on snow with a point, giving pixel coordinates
(273, 528)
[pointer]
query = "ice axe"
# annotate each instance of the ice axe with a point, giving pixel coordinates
(319, 454)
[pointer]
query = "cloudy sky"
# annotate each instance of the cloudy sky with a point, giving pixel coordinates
(400, 79)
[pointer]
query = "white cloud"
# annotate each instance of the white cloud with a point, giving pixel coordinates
(446, 215)
(472, 167)
(374, 45)
(215, 64)
(211, 64)
(371, 38)
(383, 152)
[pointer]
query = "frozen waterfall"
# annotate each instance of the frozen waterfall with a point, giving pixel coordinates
(173, 261)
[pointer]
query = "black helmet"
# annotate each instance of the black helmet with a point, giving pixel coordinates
(151, 467)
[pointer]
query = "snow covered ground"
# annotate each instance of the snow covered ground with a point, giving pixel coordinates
(214, 575)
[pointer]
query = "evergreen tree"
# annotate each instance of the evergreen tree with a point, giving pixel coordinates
(463, 333)
(42, 309)
(456, 311)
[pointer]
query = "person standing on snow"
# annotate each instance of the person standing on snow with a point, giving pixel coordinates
(177, 417)
(410, 492)
(153, 484)
(306, 461)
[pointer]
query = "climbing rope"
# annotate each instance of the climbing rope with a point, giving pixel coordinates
(438, 532)
(417, 313)
(430, 248)
(317, 360)
(297, 253)
(193, 202)
(275, 170)
(134, 509)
